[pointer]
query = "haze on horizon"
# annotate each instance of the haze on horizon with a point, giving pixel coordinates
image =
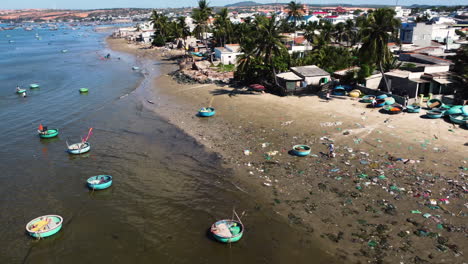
(93, 4)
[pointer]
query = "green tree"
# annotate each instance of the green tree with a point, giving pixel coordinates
(200, 16)
(296, 12)
(160, 24)
(381, 27)
(223, 28)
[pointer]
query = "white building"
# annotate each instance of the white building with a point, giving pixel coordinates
(334, 19)
(443, 20)
(422, 34)
(228, 54)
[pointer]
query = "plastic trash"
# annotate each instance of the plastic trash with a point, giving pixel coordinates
(335, 170)
(246, 152)
(382, 177)
(372, 243)
(363, 176)
(426, 215)
(416, 212)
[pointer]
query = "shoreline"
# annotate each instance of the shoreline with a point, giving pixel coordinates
(321, 194)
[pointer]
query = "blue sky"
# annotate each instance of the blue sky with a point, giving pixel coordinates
(89, 4)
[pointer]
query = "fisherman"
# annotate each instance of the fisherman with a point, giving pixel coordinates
(331, 150)
(374, 102)
(18, 88)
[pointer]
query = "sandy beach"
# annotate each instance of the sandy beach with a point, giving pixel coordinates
(394, 193)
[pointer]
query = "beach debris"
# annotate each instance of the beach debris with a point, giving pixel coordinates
(287, 123)
(266, 144)
(272, 153)
(330, 124)
(247, 152)
(149, 101)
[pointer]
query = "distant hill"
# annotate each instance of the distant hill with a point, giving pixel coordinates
(245, 3)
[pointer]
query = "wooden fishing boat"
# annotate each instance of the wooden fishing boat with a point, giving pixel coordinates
(227, 231)
(389, 100)
(301, 150)
(206, 112)
(458, 119)
(44, 226)
(49, 133)
(34, 86)
(99, 182)
(454, 110)
(434, 103)
(382, 96)
(79, 148)
(83, 90)
(367, 98)
(413, 109)
(435, 113)
(393, 109)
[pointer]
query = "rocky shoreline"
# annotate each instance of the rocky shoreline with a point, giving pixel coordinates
(393, 194)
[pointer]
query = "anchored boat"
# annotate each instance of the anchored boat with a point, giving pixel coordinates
(20, 91)
(44, 226)
(34, 86)
(79, 148)
(301, 150)
(206, 112)
(49, 133)
(99, 182)
(227, 231)
(83, 90)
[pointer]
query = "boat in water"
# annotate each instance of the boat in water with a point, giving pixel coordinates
(83, 90)
(227, 231)
(34, 86)
(79, 148)
(99, 182)
(44, 226)
(206, 112)
(20, 91)
(49, 133)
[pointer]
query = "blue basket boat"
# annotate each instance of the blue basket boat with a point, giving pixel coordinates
(99, 182)
(44, 226)
(301, 150)
(50, 133)
(79, 148)
(454, 110)
(380, 103)
(435, 113)
(458, 119)
(206, 112)
(464, 110)
(227, 231)
(382, 96)
(389, 101)
(367, 98)
(413, 109)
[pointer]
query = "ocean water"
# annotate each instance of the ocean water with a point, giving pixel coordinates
(167, 189)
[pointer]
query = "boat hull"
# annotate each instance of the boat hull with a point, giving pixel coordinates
(34, 86)
(20, 91)
(458, 119)
(413, 109)
(304, 150)
(83, 90)
(50, 133)
(223, 239)
(202, 113)
(41, 234)
(382, 96)
(99, 186)
(434, 114)
(81, 150)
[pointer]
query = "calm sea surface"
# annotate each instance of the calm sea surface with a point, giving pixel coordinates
(167, 191)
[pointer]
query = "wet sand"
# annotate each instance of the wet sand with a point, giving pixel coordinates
(358, 205)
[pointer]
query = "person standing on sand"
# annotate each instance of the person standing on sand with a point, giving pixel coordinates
(374, 102)
(327, 96)
(331, 150)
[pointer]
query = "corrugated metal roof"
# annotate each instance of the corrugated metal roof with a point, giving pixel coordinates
(289, 76)
(309, 71)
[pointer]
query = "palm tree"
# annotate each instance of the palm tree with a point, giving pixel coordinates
(295, 11)
(349, 32)
(183, 29)
(223, 27)
(380, 28)
(339, 32)
(160, 23)
(201, 16)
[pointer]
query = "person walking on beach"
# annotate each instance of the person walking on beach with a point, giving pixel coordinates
(374, 102)
(327, 96)
(331, 150)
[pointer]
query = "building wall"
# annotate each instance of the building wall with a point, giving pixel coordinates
(432, 69)
(401, 86)
(315, 80)
(419, 34)
(373, 81)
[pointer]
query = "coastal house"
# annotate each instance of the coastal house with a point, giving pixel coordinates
(302, 79)
(422, 34)
(228, 54)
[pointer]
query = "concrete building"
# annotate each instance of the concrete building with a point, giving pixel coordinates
(422, 34)
(228, 54)
(402, 12)
(302, 79)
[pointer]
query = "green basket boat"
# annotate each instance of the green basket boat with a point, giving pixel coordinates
(50, 133)
(454, 110)
(44, 226)
(227, 231)
(434, 103)
(458, 119)
(83, 90)
(34, 86)
(20, 91)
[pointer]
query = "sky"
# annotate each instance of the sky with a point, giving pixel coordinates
(91, 4)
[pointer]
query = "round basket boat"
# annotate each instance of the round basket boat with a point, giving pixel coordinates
(434, 103)
(206, 112)
(435, 113)
(301, 150)
(389, 101)
(50, 133)
(83, 90)
(354, 94)
(227, 231)
(382, 96)
(99, 182)
(380, 103)
(367, 98)
(458, 119)
(79, 148)
(44, 226)
(393, 109)
(454, 110)
(34, 86)
(464, 110)
(413, 109)
(20, 91)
